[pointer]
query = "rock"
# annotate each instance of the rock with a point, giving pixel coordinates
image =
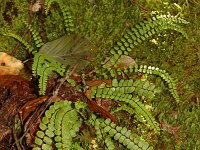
(10, 65)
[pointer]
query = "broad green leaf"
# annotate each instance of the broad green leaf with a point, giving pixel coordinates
(70, 51)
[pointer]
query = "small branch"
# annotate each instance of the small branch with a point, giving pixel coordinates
(15, 137)
(17, 45)
(16, 140)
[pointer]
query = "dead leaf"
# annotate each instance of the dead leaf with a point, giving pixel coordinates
(77, 78)
(37, 6)
(88, 94)
(124, 61)
(30, 106)
(98, 109)
(15, 91)
(170, 129)
(4, 131)
(98, 82)
(105, 103)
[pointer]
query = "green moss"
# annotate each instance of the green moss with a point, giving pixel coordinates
(12, 13)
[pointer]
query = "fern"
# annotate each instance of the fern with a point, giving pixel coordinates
(121, 91)
(141, 88)
(36, 37)
(62, 121)
(163, 74)
(106, 129)
(109, 144)
(76, 146)
(130, 111)
(21, 40)
(68, 18)
(59, 126)
(126, 108)
(140, 33)
(43, 65)
(155, 71)
(47, 4)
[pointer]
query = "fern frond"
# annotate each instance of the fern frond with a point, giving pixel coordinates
(126, 108)
(155, 71)
(151, 70)
(68, 18)
(76, 146)
(43, 65)
(20, 39)
(48, 3)
(141, 88)
(55, 129)
(142, 32)
(36, 36)
(121, 134)
(120, 91)
(163, 74)
(140, 110)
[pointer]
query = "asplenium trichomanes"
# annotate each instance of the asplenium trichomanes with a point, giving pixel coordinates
(128, 93)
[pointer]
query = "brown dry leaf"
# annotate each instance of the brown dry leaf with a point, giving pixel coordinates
(105, 103)
(15, 91)
(98, 109)
(70, 93)
(33, 105)
(4, 131)
(30, 106)
(124, 61)
(98, 82)
(77, 78)
(88, 94)
(170, 129)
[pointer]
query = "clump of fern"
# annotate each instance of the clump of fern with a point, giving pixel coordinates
(60, 125)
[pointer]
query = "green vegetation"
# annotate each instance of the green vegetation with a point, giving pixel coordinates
(140, 30)
(61, 122)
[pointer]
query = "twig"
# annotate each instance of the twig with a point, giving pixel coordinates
(16, 140)
(15, 136)
(17, 45)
